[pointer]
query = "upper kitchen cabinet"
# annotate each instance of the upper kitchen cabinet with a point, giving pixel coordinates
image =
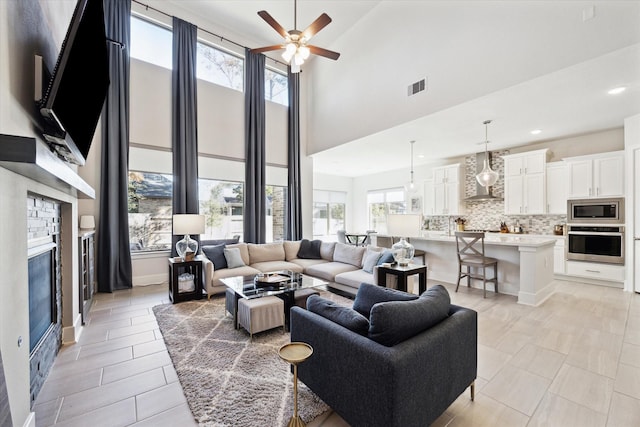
(524, 183)
(557, 188)
(429, 198)
(448, 187)
(598, 175)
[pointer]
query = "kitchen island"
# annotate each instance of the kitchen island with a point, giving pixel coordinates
(525, 264)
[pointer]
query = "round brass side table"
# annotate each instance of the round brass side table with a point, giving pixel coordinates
(295, 353)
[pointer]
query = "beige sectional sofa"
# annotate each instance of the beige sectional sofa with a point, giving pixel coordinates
(340, 264)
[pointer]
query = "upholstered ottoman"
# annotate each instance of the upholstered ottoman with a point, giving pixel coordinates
(230, 301)
(301, 296)
(260, 314)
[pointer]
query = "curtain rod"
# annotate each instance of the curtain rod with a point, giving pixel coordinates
(147, 7)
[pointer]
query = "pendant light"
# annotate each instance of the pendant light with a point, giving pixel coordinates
(410, 187)
(487, 177)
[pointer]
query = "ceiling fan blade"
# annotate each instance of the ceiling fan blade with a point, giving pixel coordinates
(267, 48)
(321, 22)
(324, 52)
(265, 15)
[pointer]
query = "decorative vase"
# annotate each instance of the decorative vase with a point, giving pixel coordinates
(402, 252)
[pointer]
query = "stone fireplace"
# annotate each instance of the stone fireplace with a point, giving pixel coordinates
(45, 287)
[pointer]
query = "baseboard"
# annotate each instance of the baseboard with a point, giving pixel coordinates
(151, 279)
(71, 334)
(30, 421)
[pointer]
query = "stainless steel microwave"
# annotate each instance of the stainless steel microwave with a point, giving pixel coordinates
(596, 211)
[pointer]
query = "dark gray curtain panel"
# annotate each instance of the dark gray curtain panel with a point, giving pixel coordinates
(184, 121)
(293, 217)
(114, 267)
(255, 209)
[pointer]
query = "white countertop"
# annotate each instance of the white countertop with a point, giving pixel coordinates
(501, 239)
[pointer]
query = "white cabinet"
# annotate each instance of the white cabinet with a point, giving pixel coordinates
(448, 185)
(559, 257)
(596, 271)
(524, 183)
(429, 201)
(557, 188)
(600, 175)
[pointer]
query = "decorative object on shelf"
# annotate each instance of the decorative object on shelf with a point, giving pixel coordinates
(186, 283)
(87, 222)
(460, 222)
(487, 177)
(504, 228)
(410, 187)
(187, 224)
(295, 42)
(402, 252)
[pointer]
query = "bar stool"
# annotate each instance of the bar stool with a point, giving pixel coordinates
(470, 256)
(260, 314)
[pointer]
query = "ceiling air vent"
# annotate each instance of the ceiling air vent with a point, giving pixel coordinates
(416, 87)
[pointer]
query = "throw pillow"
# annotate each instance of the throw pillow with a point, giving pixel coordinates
(369, 294)
(234, 259)
(386, 256)
(395, 321)
(348, 254)
(309, 249)
(216, 255)
(343, 316)
(370, 260)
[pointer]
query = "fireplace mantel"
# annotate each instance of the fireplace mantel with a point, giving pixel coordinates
(33, 159)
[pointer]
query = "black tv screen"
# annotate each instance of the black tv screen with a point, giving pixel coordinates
(73, 101)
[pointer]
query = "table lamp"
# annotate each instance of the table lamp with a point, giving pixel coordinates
(187, 224)
(87, 222)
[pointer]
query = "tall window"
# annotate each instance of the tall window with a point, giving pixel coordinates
(221, 204)
(328, 213)
(276, 206)
(382, 203)
(220, 67)
(150, 211)
(151, 43)
(276, 87)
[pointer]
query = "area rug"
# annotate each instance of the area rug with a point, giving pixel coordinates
(228, 378)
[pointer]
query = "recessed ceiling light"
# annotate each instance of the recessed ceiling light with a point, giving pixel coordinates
(536, 132)
(617, 90)
(421, 156)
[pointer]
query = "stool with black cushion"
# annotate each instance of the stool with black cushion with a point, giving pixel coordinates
(260, 314)
(470, 248)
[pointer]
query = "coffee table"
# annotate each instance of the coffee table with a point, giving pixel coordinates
(248, 287)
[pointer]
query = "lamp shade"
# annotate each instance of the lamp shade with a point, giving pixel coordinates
(188, 224)
(87, 221)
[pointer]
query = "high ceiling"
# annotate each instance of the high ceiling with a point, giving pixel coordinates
(524, 64)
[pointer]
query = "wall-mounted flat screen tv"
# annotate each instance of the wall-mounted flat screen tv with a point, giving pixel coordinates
(73, 100)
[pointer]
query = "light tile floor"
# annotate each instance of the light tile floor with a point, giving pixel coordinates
(572, 361)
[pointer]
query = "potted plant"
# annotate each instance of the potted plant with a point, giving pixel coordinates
(460, 223)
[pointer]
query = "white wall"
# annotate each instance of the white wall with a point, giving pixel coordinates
(27, 29)
(632, 214)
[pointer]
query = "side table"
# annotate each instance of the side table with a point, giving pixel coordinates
(402, 272)
(295, 353)
(176, 268)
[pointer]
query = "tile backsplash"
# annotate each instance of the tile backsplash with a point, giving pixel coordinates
(488, 214)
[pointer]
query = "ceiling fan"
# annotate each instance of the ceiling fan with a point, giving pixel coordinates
(295, 42)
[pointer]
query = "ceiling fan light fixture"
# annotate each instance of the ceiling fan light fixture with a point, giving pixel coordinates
(304, 51)
(487, 177)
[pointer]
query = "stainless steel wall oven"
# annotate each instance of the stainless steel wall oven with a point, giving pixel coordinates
(596, 243)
